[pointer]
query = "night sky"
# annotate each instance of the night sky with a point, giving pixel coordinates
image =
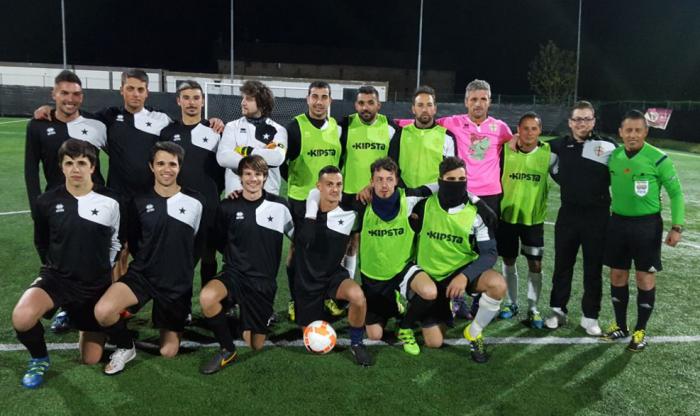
(630, 49)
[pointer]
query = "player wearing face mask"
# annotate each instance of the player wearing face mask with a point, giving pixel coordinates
(451, 226)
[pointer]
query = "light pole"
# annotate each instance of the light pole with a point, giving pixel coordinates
(578, 51)
(420, 43)
(231, 52)
(63, 30)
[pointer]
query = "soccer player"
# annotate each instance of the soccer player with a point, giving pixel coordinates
(423, 144)
(523, 211)
(320, 247)
(45, 137)
(132, 131)
(365, 137)
(583, 178)
(449, 225)
(250, 232)
(254, 134)
(480, 140)
(314, 142)
(638, 171)
(387, 250)
(76, 229)
(202, 171)
(162, 227)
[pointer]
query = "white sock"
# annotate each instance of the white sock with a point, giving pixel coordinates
(511, 275)
(534, 287)
(350, 263)
(488, 309)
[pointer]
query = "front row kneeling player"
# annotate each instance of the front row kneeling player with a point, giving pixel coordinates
(320, 248)
(250, 230)
(387, 248)
(447, 225)
(162, 226)
(76, 233)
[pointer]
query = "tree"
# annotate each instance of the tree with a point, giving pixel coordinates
(553, 73)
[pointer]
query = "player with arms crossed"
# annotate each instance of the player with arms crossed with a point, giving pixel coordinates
(76, 229)
(638, 171)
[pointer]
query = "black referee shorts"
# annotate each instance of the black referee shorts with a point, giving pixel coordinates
(169, 314)
(74, 296)
(256, 301)
(635, 239)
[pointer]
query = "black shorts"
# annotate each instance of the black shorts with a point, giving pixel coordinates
(508, 237)
(308, 305)
(74, 297)
(256, 302)
(634, 238)
(169, 314)
(440, 312)
(493, 202)
(381, 294)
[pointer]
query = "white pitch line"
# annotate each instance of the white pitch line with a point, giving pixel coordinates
(683, 339)
(14, 121)
(14, 212)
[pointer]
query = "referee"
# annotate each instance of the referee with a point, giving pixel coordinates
(637, 172)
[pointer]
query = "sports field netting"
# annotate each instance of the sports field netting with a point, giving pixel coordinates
(534, 372)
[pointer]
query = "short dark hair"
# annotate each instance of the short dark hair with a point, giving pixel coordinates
(328, 170)
(67, 76)
(634, 115)
(319, 84)
(385, 163)
(139, 74)
(189, 85)
(75, 148)
(532, 115)
(367, 89)
(254, 162)
(169, 147)
(424, 89)
(451, 163)
(264, 98)
(582, 105)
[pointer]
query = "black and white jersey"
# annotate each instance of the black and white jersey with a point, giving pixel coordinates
(200, 170)
(250, 236)
(320, 246)
(161, 235)
(78, 237)
(130, 138)
(263, 137)
(44, 138)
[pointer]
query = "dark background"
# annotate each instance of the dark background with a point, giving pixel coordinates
(631, 50)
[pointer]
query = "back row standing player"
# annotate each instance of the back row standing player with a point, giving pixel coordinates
(314, 143)
(201, 172)
(480, 140)
(45, 137)
(583, 178)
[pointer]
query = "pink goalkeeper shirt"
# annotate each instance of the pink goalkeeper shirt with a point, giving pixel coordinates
(479, 147)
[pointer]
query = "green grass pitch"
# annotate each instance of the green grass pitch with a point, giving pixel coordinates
(531, 379)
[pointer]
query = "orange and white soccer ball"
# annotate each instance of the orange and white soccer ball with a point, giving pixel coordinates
(319, 337)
